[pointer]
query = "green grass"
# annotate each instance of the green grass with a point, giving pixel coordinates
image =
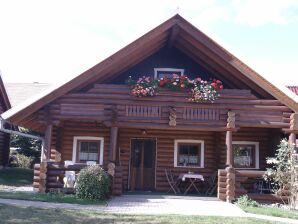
(16, 177)
(277, 212)
(24, 215)
(50, 197)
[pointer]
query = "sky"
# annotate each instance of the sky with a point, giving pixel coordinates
(54, 41)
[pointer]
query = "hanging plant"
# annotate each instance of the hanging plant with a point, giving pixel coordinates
(199, 90)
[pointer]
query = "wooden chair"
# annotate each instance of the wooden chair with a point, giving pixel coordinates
(173, 182)
(212, 185)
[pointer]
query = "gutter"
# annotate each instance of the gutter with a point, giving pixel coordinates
(9, 131)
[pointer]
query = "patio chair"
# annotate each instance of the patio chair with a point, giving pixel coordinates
(70, 176)
(173, 182)
(91, 163)
(212, 184)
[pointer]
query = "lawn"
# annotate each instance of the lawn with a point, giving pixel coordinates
(277, 212)
(16, 214)
(16, 177)
(50, 197)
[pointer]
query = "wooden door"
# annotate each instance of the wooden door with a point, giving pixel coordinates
(142, 164)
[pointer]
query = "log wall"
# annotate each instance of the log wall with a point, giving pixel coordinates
(214, 142)
(107, 102)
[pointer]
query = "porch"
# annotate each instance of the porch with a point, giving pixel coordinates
(127, 177)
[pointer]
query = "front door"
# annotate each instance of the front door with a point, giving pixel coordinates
(142, 164)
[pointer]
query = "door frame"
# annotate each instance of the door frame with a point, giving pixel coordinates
(130, 157)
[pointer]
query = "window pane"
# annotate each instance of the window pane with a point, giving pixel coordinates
(93, 156)
(189, 154)
(84, 146)
(244, 156)
(89, 150)
(93, 147)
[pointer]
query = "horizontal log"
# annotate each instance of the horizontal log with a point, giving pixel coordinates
(250, 173)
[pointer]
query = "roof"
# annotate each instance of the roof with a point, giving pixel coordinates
(20, 92)
(294, 89)
(3, 95)
(175, 31)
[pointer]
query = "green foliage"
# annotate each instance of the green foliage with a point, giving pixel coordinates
(245, 201)
(92, 183)
(22, 161)
(16, 177)
(279, 174)
(27, 146)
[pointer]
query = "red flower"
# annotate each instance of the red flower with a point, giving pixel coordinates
(182, 77)
(218, 81)
(162, 82)
(214, 85)
(182, 85)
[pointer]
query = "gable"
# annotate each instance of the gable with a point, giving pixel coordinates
(175, 32)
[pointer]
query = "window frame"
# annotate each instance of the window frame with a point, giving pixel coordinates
(191, 141)
(257, 154)
(173, 70)
(77, 139)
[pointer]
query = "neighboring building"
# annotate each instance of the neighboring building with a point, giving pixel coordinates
(94, 117)
(294, 89)
(20, 92)
(4, 137)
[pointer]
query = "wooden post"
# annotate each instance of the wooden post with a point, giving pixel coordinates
(293, 128)
(230, 126)
(113, 143)
(230, 184)
(292, 138)
(43, 177)
(47, 142)
(229, 145)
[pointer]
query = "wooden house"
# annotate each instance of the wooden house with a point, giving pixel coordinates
(94, 117)
(4, 137)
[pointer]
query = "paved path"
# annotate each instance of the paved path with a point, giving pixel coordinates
(152, 204)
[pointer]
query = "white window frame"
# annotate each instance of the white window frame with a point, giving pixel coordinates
(156, 70)
(257, 153)
(177, 141)
(86, 138)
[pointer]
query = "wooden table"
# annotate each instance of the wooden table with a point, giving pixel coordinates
(192, 178)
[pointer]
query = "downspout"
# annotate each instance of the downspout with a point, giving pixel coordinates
(8, 131)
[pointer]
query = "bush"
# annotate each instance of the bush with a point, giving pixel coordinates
(245, 201)
(92, 183)
(20, 160)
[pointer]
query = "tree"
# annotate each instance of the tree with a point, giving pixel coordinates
(27, 146)
(282, 170)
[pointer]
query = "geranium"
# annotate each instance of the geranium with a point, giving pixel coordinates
(145, 86)
(199, 90)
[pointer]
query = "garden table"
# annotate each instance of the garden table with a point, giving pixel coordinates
(192, 178)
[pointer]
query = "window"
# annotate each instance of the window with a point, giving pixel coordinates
(246, 155)
(189, 153)
(167, 72)
(87, 149)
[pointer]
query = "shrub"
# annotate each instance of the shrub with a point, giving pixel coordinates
(20, 160)
(92, 183)
(245, 201)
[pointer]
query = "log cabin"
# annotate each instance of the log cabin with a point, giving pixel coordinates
(4, 137)
(95, 117)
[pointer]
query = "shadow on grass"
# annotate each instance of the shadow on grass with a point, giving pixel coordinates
(24, 215)
(16, 177)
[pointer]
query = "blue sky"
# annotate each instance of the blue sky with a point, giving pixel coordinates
(53, 41)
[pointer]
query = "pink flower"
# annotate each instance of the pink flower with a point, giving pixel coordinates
(174, 83)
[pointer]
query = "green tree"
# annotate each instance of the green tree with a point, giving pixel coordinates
(27, 146)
